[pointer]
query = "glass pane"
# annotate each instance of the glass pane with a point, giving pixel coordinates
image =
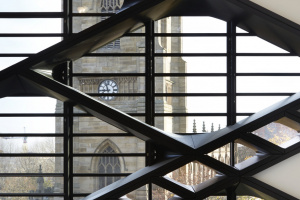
(93, 125)
(171, 104)
(272, 64)
(221, 154)
(29, 145)
(203, 25)
(268, 84)
(118, 144)
(190, 25)
(242, 153)
(29, 105)
(140, 193)
(108, 164)
(256, 103)
(251, 44)
(30, 125)
(239, 30)
(190, 64)
(27, 44)
(280, 131)
(159, 193)
(32, 6)
(34, 25)
(92, 184)
(190, 124)
(106, 85)
(192, 173)
(91, 6)
(6, 61)
(193, 44)
(30, 165)
(124, 45)
(28, 184)
(109, 65)
(194, 84)
(247, 198)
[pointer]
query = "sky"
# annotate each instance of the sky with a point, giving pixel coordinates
(194, 65)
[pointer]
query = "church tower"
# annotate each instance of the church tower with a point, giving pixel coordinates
(102, 74)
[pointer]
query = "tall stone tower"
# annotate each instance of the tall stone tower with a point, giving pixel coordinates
(115, 83)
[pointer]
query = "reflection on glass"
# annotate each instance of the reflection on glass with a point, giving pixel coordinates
(254, 104)
(27, 44)
(251, 44)
(192, 173)
(280, 131)
(271, 64)
(34, 25)
(268, 84)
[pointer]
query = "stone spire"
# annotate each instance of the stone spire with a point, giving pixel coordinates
(219, 127)
(194, 127)
(212, 127)
(203, 127)
(40, 181)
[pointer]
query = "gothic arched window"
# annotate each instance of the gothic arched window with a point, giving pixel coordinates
(108, 165)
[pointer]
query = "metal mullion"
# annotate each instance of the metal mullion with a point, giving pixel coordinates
(31, 34)
(16, 54)
(244, 114)
(103, 135)
(30, 115)
(100, 175)
(31, 154)
(189, 114)
(31, 14)
(190, 34)
(231, 90)
(116, 94)
(92, 14)
(190, 94)
(30, 135)
(264, 94)
(32, 194)
(31, 174)
(108, 74)
(268, 74)
(109, 154)
(189, 54)
(89, 115)
(265, 54)
(114, 54)
(190, 74)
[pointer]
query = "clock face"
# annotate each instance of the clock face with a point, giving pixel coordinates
(108, 87)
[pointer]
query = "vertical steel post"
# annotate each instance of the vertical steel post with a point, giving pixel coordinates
(150, 90)
(231, 90)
